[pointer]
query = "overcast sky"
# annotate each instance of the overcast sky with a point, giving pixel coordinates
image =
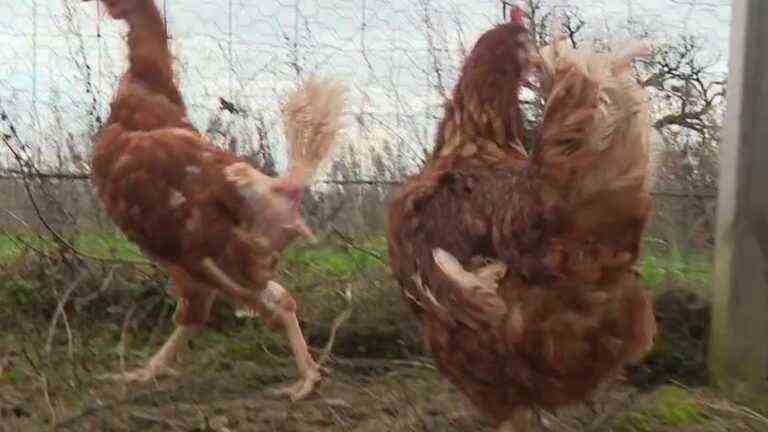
(376, 45)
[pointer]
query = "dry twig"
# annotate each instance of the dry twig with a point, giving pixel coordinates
(337, 322)
(59, 313)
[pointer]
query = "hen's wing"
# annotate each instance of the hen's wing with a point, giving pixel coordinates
(168, 191)
(449, 207)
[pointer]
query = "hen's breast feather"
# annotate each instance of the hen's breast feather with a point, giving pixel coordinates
(169, 187)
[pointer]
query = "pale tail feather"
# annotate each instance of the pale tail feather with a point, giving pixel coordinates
(312, 121)
(615, 134)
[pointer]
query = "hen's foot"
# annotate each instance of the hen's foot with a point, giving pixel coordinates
(301, 388)
(150, 372)
(160, 364)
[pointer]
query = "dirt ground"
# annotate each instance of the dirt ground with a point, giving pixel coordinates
(378, 380)
(214, 393)
(225, 387)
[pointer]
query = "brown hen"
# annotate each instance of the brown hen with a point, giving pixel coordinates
(215, 222)
(520, 267)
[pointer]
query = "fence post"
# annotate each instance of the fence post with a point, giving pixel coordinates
(739, 348)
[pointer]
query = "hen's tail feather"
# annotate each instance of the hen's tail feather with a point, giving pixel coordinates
(595, 129)
(312, 121)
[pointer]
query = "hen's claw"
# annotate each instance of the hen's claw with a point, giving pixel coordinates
(148, 373)
(301, 388)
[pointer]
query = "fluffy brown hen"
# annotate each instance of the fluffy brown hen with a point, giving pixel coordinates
(520, 267)
(215, 222)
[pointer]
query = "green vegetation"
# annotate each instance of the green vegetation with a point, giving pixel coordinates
(659, 265)
(115, 246)
(662, 263)
(337, 261)
(667, 408)
(243, 357)
(12, 246)
(9, 376)
(17, 291)
(675, 406)
(98, 245)
(314, 274)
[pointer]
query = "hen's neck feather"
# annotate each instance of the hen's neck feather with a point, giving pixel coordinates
(149, 57)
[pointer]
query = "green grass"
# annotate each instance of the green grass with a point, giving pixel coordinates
(336, 261)
(12, 246)
(18, 291)
(659, 265)
(9, 376)
(7, 248)
(667, 406)
(107, 246)
(662, 263)
(99, 245)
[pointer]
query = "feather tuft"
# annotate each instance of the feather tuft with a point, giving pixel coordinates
(478, 295)
(596, 117)
(312, 120)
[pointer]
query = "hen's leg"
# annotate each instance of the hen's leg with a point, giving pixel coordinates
(193, 307)
(279, 312)
(283, 308)
(161, 362)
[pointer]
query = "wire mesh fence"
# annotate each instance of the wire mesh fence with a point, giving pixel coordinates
(236, 59)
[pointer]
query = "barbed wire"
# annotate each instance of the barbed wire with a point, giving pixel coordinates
(11, 174)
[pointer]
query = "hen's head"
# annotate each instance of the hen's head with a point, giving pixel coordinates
(275, 200)
(485, 102)
(516, 13)
(502, 50)
(120, 9)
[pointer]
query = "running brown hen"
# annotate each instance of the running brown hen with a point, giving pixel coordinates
(215, 222)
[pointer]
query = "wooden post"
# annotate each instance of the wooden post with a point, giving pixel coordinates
(739, 349)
